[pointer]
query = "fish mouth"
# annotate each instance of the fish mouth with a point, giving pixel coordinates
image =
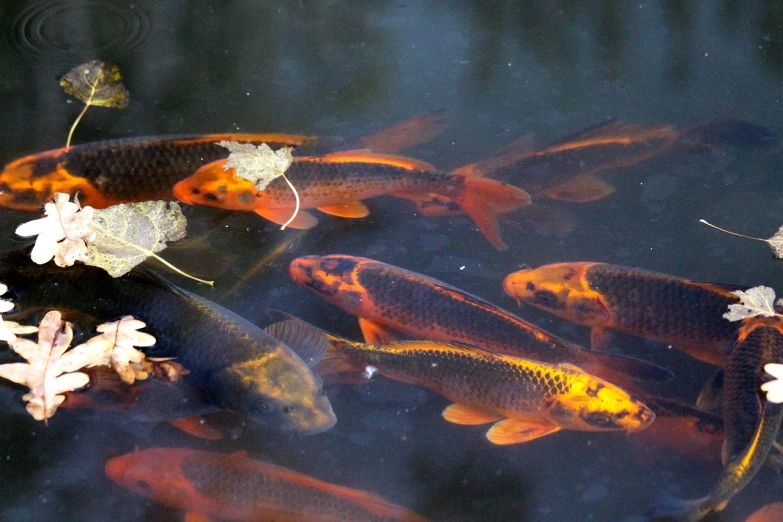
(301, 269)
(314, 430)
(182, 193)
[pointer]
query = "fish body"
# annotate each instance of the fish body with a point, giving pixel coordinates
(524, 399)
(387, 297)
(239, 366)
(337, 183)
(235, 487)
(750, 421)
(687, 315)
(126, 170)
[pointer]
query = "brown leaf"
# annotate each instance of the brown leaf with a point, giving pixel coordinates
(95, 83)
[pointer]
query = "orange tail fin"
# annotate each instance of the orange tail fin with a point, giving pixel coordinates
(483, 199)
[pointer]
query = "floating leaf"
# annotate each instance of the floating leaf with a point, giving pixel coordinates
(127, 234)
(775, 242)
(49, 370)
(260, 165)
(62, 234)
(758, 300)
(774, 388)
(94, 83)
(123, 336)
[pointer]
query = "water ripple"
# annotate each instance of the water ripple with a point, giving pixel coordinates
(58, 32)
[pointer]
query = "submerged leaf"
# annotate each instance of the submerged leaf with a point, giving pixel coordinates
(758, 300)
(127, 234)
(259, 165)
(63, 234)
(94, 83)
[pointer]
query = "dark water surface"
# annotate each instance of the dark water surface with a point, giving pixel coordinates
(502, 69)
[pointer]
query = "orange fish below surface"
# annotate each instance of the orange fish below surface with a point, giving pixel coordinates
(387, 298)
(566, 169)
(235, 487)
(769, 513)
(125, 170)
(687, 315)
(523, 399)
(337, 183)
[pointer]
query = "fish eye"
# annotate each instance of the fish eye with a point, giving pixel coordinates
(600, 419)
(545, 297)
(210, 196)
(245, 197)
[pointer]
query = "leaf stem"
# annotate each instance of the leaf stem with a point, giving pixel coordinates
(177, 270)
(79, 117)
(732, 233)
(296, 210)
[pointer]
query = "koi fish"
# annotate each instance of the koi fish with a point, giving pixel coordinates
(253, 372)
(336, 183)
(685, 314)
(769, 513)
(387, 297)
(235, 487)
(125, 170)
(751, 422)
(566, 169)
(524, 399)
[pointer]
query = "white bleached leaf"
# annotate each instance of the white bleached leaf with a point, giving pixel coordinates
(5, 304)
(122, 337)
(754, 301)
(46, 372)
(63, 234)
(259, 165)
(774, 388)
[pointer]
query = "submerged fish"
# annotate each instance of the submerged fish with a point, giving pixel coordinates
(524, 399)
(685, 314)
(235, 487)
(386, 297)
(236, 365)
(751, 422)
(566, 169)
(125, 170)
(336, 183)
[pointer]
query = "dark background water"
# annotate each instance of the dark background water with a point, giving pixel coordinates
(502, 69)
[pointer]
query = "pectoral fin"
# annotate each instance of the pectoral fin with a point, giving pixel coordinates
(582, 190)
(349, 209)
(465, 415)
(375, 333)
(195, 426)
(302, 220)
(514, 431)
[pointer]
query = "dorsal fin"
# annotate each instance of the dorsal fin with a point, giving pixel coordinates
(367, 156)
(307, 341)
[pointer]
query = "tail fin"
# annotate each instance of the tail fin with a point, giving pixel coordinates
(408, 133)
(482, 200)
(608, 365)
(721, 133)
(669, 507)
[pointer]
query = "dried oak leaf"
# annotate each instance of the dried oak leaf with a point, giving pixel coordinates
(127, 234)
(122, 337)
(49, 370)
(96, 83)
(759, 300)
(259, 165)
(776, 243)
(63, 234)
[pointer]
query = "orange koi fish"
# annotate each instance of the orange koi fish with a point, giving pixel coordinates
(125, 170)
(769, 513)
(524, 399)
(751, 422)
(235, 487)
(685, 314)
(336, 183)
(386, 297)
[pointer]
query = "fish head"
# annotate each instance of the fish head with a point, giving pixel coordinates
(277, 389)
(333, 277)
(561, 289)
(154, 473)
(591, 404)
(29, 182)
(214, 186)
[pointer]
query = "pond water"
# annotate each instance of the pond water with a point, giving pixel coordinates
(501, 70)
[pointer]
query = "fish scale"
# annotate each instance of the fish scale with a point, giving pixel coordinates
(663, 305)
